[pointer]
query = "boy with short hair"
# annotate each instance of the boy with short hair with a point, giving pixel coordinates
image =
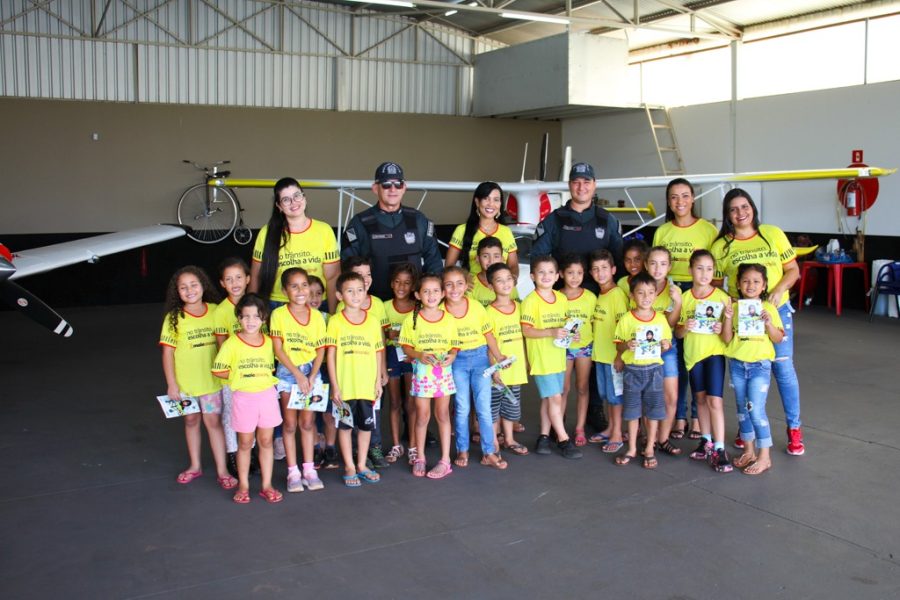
(611, 304)
(355, 351)
(489, 252)
(544, 316)
(641, 352)
(375, 307)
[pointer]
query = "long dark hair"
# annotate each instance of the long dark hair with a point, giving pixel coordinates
(174, 306)
(727, 229)
(483, 190)
(670, 214)
(277, 236)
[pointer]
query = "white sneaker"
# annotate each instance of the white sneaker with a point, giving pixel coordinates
(279, 449)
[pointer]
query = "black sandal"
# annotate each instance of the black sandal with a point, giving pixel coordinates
(669, 448)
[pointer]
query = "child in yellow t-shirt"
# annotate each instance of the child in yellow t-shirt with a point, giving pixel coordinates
(751, 367)
(476, 337)
(234, 277)
(188, 349)
(397, 309)
(642, 336)
(429, 337)
(246, 359)
(544, 316)
(611, 304)
(634, 254)
(298, 336)
(505, 319)
(578, 355)
(355, 343)
(699, 328)
(490, 252)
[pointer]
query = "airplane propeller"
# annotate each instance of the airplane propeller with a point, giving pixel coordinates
(28, 303)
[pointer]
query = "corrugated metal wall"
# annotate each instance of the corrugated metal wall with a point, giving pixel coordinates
(235, 53)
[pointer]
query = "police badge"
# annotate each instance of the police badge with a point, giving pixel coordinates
(600, 232)
(410, 237)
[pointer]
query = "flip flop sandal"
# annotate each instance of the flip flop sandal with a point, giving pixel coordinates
(598, 438)
(494, 461)
(351, 481)
(750, 470)
(272, 496)
(580, 440)
(185, 477)
(227, 483)
(650, 462)
(462, 459)
(624, 459)
(369, 477)
(419, 467)
(743, 461)
(241, 497)
(612, 447)
(676, 434)
(440, 470)
(517, 449)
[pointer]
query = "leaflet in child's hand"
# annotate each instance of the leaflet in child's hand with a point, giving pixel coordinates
(750, 321)
(316, 400)
(706, 315)
(648, 338)
(342, 414)
(572, 325)
(174, 408)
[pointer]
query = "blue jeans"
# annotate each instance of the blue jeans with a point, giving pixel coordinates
(783, 369)
(751, 386)
(683, 376)
(468, 370)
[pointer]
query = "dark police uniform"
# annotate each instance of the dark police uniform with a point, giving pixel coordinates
(389, 239)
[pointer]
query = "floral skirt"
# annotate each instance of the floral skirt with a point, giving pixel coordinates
(431, 381)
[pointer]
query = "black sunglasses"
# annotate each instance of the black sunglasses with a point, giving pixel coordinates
(397, 185)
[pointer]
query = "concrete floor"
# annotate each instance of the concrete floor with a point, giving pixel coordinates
(90, 507)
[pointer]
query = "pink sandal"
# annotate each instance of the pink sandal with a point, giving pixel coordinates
(241, 497)
(440, 470)
(185, 477)
(580, 440)
(227, 482)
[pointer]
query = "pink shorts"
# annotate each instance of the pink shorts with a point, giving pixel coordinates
(252, 410)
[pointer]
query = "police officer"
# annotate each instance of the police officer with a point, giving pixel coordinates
(390, 234)
(580, 226)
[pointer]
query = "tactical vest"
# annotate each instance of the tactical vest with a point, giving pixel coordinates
(390, 247)
(581, 238)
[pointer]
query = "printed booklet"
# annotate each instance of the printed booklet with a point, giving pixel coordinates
(188, 405)
(750, 321)
(316, 400)
(707, 315)
(648, 338)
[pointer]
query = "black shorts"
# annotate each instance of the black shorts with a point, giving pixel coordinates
(363, 412)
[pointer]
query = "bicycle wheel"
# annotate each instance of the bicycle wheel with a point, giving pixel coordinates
(242, 234)
(210, 212)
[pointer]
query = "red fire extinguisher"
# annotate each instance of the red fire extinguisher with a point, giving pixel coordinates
(851, 198)
(858, 194)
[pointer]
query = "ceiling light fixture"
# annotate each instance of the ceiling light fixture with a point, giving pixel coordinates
(400, 3)
(534, 17)
(450, 13)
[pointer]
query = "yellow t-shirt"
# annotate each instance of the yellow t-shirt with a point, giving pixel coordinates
(544, 356)
(681, 243)
(481, 292)
(582, 308)
(395, 318)
(376, 308)
(300, 340)
(629, 326)
(772, 255)
(502, 233)
(508, 331)
(610, 307)
(757, 347)
(225, 319)
(436, 337)
(310, 249)
(624, 285)
(356, 359)
(249, 367)
(472, 326)
(698, 346)
(195, 350)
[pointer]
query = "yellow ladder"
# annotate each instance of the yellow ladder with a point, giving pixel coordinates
(664, 138)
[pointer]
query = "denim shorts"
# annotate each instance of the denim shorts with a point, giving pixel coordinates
(286, 379)
(395, 366)
(605, 385)
(586, 352)
(550, 385)
(670, 361)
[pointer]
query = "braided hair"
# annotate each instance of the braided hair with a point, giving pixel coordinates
(425, 277)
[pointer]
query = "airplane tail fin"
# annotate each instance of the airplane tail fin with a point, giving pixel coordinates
(524, 161)
(567, 164)
(545, 143)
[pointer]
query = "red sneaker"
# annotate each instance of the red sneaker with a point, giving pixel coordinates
(738, 442)
(795, 445)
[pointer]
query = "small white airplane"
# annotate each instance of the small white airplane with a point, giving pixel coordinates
(46, 258)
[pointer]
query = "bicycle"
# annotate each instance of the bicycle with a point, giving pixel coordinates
(212, 213)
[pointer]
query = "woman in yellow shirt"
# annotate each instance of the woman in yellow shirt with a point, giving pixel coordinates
(484, 221)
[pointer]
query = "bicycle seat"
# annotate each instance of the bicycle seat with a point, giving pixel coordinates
(220, 175)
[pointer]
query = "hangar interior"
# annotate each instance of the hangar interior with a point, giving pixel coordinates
(100, 100)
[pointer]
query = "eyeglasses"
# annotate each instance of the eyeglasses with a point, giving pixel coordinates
(286, 200)
(397, 185)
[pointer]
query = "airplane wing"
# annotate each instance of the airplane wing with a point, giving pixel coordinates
(554, 186)
(90, 249)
